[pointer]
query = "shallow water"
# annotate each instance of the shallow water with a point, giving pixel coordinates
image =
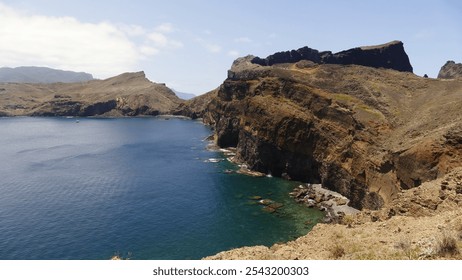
(143, 188)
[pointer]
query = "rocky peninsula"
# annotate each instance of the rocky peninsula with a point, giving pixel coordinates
(360, 123)
(129, 94)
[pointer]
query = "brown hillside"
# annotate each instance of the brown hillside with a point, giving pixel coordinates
(390, 141)
(128, 94)
(366, 133)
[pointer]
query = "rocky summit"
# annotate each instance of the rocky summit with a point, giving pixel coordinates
(390, 56)
(450, 70)
(129, 94)
(385, 138)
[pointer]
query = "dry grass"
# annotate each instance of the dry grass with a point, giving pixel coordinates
(337, 252)
(447, 246)
(348, 220)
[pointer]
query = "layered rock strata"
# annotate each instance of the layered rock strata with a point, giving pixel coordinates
(366, 133)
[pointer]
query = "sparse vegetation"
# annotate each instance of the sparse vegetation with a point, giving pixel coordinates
(348, 220)
(337, 251)
(447, 246)
(406, 250)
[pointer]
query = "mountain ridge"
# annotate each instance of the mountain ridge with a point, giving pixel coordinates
(34, 74)
(128, 94)
(390, 55)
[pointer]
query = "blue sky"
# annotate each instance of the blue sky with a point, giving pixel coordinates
(189, 45)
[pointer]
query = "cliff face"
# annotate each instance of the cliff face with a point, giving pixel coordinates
(389, 56)
(450, 70)
(129, 94)
(364, 132)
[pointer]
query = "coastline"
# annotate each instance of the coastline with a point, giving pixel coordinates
(424, 223)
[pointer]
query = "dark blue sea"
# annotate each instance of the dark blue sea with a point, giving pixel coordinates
(140, 188)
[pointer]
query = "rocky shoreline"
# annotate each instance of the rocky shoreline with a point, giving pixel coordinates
(334, 204)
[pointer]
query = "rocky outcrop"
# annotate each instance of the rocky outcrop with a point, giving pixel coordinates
(129, 94)
(363, 132)
(450, 70)
(389, 56)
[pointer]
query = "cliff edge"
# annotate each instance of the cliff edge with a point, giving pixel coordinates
(388, 140)
(364, 132)
(390, 56)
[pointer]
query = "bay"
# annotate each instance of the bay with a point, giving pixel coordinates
(140, 188)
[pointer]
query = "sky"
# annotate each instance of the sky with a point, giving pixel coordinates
(190, 45)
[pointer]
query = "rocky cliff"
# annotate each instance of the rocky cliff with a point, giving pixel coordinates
(364, 132)
(390, 56)
(450, 70)
(129, 94)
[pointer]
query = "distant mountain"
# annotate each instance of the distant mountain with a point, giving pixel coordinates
(42, 75)
(184, 95)
(129, 94)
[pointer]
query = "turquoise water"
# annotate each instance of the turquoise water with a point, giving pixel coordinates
(142, 188)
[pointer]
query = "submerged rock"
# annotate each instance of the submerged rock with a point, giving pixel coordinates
(276, 205)
(266, 202)
(269, 209)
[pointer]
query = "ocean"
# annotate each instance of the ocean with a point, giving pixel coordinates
(139, 188)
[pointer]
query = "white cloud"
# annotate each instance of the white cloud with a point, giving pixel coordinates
(233, 53)
(158, 39)
(103, 49)
(148, 50)
(213, 48)
(63, 42)
(133, 30)
(165, 28)
(210, 47)
(243, 40)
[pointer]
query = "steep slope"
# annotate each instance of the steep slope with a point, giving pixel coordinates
(422, 223)
(366, 133)
(129, 94)
(31, 74)
(389, 140)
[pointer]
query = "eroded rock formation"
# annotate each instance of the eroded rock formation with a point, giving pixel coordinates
(450, 70)
(366, 133)
(389, 56)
